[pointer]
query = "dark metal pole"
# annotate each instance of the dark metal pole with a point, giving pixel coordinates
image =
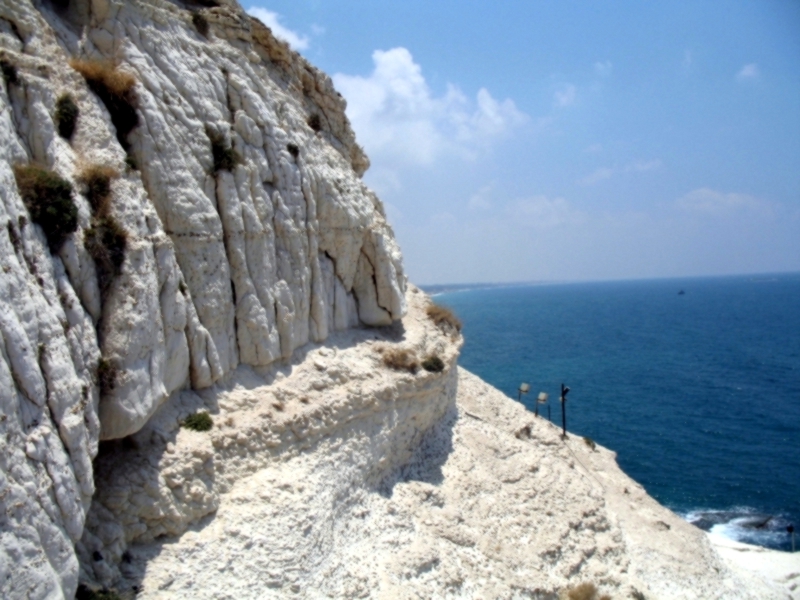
(548, 414)
(564, 392)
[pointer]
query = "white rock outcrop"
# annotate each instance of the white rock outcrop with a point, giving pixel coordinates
(223, 268)
(260, 283)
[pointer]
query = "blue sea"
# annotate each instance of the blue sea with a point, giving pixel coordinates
(697, 392)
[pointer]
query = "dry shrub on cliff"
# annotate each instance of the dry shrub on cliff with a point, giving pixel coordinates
(225, 157)
(314, 122)
(444, 318)
(200, 23)
(106, 242)
(97, 179)
(433, 363)
(583, 591)
(86, 593)
(48, 198)
(66, 116)
(589, 442)
(400, 359)
(106, 376)
(116, 89)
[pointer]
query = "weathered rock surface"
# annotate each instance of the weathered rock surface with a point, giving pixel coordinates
(492, 503)
(223, 267)
(337, 477)
(338, 400)
(254, 258)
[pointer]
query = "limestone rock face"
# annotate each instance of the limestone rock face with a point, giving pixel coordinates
(241, 262)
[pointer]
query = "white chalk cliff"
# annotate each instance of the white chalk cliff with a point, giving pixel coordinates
(265, 290)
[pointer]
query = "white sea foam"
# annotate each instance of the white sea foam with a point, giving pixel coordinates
(742, 524)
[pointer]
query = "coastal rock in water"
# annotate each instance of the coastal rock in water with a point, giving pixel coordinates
(245, 234)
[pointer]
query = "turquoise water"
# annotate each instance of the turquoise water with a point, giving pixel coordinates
(698, 393)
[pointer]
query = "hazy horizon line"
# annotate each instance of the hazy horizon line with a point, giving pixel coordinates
(474, 284)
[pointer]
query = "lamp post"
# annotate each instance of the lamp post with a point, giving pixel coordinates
(564, 392)
(542, 399)
(524, 388)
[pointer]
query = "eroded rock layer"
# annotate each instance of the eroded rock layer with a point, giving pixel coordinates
(247, 233)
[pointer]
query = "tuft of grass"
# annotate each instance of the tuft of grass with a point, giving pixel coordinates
(66, 116)
(444, 318)
(86, 593)
(106, 376)
(9, 72)
(116, 89)
(106, 242)
(200, 24)
(583, 591)
(589, 442)
(400, 359)
(433, 363)
(293, 150)
(225, 157)
(97, 179)
(130, 163)
(315, 122)
(48, 198)
(637, 595)
(198, 422)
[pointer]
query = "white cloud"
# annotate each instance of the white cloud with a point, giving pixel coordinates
(711, 202)
(394, 112)
(642, 165)
(480, 200)
(565, 95)
(604, 68)
(748, 72)
(604, 173)
(272, 20)
(544, 213)
(597, 176)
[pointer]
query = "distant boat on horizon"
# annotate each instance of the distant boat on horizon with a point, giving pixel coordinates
(681, 293)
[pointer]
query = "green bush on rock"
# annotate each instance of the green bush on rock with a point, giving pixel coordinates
(434, 364)
(66, 116)
(48, 198)
(198, 422)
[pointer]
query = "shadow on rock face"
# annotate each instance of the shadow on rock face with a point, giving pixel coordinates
(426, 464)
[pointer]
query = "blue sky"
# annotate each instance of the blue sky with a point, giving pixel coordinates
(522, 141)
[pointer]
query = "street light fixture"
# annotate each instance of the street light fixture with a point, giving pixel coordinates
(524, 388)
(542, 399)
(564, 392)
